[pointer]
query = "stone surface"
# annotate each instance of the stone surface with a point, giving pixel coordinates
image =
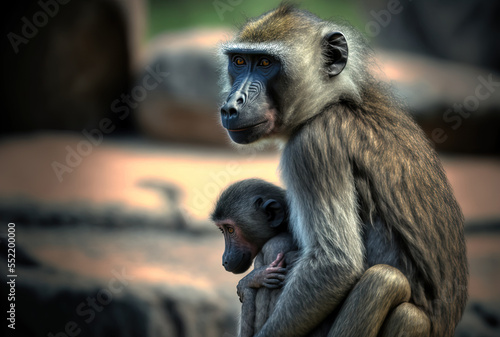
(481, 319)
(141, 208)
(68, 73)
(184, 106)
(122, 283)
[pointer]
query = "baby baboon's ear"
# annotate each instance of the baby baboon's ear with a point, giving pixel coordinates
(274, 211)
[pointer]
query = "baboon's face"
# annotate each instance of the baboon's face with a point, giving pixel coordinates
(250, 112)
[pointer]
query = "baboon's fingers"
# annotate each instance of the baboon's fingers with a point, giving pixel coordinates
(275, 277)
(273, 286)
(276, 270)
(272, 281)
(279, 260)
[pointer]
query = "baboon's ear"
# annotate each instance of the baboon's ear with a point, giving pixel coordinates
(257, 202)
(274, 212)
(336, 51)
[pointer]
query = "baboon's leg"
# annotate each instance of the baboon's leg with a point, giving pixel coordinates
(262, 307)
(406, 320)
(380, 289)
(247, 320)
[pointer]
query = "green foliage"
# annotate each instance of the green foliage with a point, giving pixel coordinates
(175, 15)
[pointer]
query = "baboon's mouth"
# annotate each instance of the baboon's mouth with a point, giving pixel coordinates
(248, 134)
(243, 266)
(246, 127)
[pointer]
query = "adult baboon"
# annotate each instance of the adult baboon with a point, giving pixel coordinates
(364, 186)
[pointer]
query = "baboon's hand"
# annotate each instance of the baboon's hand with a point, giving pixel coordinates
(272, 276)
(240, 292)
(245, 283)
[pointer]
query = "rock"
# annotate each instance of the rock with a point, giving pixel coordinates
(93, 282)
(456, 104)
(184, 107)
(51, 301)
(68, 73)
(480, 319)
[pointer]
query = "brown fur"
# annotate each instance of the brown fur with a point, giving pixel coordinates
(364, 186)
(276, 25)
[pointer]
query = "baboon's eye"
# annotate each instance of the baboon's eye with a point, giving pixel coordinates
(239, 61)
(264, 62)
(230, 230)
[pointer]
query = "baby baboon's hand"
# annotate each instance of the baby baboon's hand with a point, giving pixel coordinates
(271, 276)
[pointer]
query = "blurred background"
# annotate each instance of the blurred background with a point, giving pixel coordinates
(111, 155)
